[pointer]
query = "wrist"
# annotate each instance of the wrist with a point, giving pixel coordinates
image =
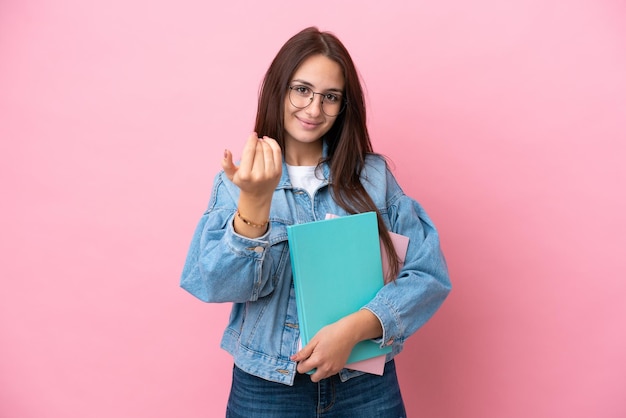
(253, 224)
(251, 218)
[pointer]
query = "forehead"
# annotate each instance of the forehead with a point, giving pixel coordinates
(320, 72)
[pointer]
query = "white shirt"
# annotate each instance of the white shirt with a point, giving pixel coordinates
(304, 177)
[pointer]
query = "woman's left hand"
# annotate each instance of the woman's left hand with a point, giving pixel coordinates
(327, 352)
(329, 349)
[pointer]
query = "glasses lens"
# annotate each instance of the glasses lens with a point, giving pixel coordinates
(332, 104)
(300, 96)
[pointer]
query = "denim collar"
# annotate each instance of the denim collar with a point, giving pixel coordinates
(285, 182)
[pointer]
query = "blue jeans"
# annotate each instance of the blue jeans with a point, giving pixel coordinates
(366, 396)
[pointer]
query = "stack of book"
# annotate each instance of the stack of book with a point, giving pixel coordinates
(337, 269)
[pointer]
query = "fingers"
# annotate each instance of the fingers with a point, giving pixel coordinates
(304, 353)
(308, 359)
(327, 352)
(272, 155)
(321, 369)
(247, 158)
(303, 357)
(318, 375)
(227, 164)
(249, 153)
(260, 168)
(261, 157)
(306, 365)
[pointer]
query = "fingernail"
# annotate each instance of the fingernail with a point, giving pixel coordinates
(225, 153)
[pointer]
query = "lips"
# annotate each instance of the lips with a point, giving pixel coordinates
(308, 124)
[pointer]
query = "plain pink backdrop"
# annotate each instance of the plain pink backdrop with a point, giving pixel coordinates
(506, 120)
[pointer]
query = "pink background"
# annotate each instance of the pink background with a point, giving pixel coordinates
(507, 120)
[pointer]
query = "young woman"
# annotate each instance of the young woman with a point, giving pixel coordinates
(310, 155)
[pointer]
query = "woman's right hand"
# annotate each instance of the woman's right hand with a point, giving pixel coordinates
(260, 168)
(256, 176)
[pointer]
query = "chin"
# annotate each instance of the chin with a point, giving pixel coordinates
(305, 136)
(310, 138)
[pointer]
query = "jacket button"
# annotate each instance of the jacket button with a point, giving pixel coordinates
(258, 249)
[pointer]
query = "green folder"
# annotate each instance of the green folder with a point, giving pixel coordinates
(337, 269)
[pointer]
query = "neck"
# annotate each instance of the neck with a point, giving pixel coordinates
(303, 154)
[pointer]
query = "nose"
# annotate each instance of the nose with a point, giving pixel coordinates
(315, 107)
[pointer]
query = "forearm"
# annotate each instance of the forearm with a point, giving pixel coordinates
(362, 325)
(224, 266)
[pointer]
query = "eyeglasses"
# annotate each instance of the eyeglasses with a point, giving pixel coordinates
(302, 96)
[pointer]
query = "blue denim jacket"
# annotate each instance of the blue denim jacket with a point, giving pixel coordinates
(255, 274)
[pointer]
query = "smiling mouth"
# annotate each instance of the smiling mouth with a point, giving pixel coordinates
(308, 124)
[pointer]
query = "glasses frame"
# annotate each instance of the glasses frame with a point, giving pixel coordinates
(344, 101)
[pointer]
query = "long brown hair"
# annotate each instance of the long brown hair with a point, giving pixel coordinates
(348, 140)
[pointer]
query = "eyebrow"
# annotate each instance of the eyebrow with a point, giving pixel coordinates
(306, 83)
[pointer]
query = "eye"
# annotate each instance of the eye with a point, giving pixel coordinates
(302, 90)
(332, 98)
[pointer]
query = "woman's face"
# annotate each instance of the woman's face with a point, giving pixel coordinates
(306, 126)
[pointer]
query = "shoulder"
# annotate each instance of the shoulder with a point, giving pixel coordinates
(375, 160)
(375, 168)
(378, 179)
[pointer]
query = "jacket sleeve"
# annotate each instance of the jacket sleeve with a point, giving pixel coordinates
(406, 304)
(221, 265)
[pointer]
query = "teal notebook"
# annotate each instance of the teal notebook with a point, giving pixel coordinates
(337, 269)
